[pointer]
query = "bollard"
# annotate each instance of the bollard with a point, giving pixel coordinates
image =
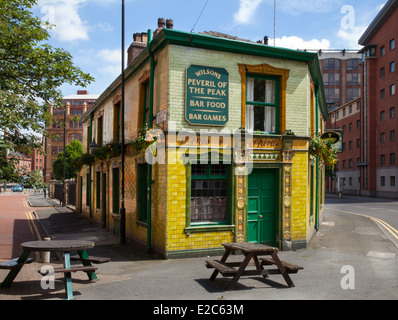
(46, 254)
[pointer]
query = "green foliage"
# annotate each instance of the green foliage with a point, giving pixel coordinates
(110, 150)
(73, 151)
(31, 74)
(323, 148)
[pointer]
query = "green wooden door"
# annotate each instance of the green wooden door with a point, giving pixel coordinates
(262, 206)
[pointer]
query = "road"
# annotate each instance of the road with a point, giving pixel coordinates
(17, 224)
(383, 211)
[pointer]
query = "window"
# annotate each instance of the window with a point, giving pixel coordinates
(350, 145)
(350, 163)
(392, 113)
(392, 89)
(358, 124)
(350, 126)
(116, 122)
(353, 64)
(392, 135)
(392, 181)
(358, 143)
(392, 158)
(98, 190)
(382, 116)
(382, 94)
(209, 193)
(382, 72)
(145, 105)
(142, 194)
(115, 190)
(100, 130)
(382, 181)
(331, 64)
(392, 66)
(350, 109)
(382, 51)
(75, 136)
(54, 150)
(382, 159)
(262, 105)
(392, 44)
(382, 137)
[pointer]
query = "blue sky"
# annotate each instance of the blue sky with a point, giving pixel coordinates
(91, 29)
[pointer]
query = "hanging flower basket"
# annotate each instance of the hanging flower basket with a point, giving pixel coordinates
(323, 148)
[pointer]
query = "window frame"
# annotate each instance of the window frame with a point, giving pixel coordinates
(209, 226)
(274, 105)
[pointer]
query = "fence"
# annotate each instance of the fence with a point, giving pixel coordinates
(57, 191)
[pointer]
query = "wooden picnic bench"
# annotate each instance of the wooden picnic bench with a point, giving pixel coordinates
(251, 251)
(64, 246)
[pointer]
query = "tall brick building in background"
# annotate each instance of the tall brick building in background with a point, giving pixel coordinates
(379, 167)
(76, 105)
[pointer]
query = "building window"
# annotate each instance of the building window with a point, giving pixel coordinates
(382, 159)
(350, 163)
(358, 143)
(209, 193)
(358, 124)
(115, 190)
(382, 94)
(142, 194)
(382, 72)
(350, 145)
(331, 64)
(392, 158)
(75, 136)
(392, 181)
(392, 113)
(54, 150)
(382, 137)
(382, 116)
(100, 130)
(116, 122)
(382, 181)
(262, 105)
(382, 51)
(392, 44)
(98, 190)
(392, 89)
(392, 135)
(392, 66)
(350, 126)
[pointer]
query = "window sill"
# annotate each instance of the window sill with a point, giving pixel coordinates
(208, 228)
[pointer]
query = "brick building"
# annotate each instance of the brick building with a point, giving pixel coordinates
(75, 106)
(234, 119)
(379, 98)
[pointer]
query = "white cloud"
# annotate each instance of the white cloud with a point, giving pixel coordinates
(296, 7)
(247, 8)
(295, 43)
(112, 61)
(350, 37)
(64, 15)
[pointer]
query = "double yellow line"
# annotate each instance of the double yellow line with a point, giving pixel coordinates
(32, 225)
(390, 229)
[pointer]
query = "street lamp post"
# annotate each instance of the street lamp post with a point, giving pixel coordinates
(122, 208)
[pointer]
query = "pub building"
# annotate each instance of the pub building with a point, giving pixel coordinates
(231, 163)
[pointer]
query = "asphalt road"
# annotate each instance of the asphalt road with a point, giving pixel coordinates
(382, 211)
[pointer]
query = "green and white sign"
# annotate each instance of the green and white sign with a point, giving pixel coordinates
(207, 96)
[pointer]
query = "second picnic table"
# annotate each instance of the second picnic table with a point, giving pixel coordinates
(251, 251)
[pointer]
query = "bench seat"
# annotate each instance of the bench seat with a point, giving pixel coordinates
(71, 269)
(96, 260)
(290, 268)
(224, 268)
(11, 264)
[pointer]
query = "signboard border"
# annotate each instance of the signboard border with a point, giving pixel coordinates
(186, 97)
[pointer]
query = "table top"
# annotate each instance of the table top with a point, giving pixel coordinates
(251, 247)
(58, 245)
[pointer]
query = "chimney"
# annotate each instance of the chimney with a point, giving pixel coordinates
(266, 40)
(79, 92)
(169, 24)
(139, 44)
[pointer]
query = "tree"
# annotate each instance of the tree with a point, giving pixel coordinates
(73, 151)
(31, 74)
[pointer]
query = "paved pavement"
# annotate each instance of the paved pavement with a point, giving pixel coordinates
(348, 258)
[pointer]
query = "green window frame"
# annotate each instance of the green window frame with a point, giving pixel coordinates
(98, 190)
(115, 190)
(262, 104)
(142, 194)
(210, 193)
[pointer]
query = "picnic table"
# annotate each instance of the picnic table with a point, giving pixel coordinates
(251, 251)
(63, 246)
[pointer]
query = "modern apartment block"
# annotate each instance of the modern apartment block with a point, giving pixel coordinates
(341, 76)
(76, 105)
(380, 168)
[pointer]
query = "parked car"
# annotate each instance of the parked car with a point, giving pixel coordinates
(18, 188)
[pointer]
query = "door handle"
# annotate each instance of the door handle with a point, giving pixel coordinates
(260, 216)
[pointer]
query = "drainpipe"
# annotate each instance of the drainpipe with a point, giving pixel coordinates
(89, 175)
(149, 174)
(317, 163)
